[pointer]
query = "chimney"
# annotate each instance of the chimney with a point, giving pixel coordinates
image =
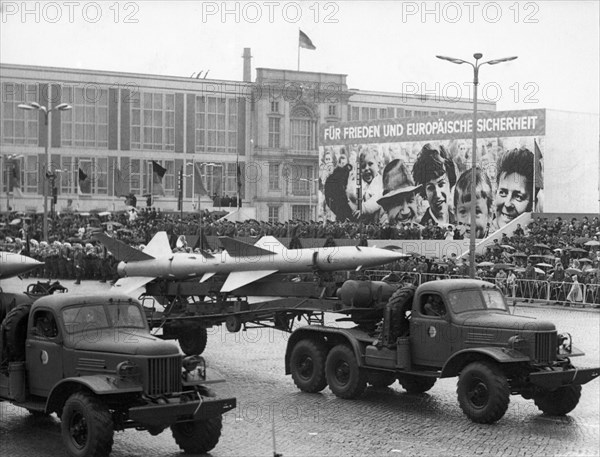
(247, 65)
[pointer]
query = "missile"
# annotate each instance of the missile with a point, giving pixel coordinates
(12, 264)
(243, 263)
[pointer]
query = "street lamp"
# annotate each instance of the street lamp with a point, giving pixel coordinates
(49, 173)
(9, 158)
(475, 66)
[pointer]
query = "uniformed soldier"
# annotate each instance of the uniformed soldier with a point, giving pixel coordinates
(78, 262)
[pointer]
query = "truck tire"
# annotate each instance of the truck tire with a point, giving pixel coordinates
(558, 402)
(415, 384)
(197, 437)
(193, 342)
(307, 364)
(381, 379)
(344, 376)
(483, 392)
(14, 330)
(86, 426)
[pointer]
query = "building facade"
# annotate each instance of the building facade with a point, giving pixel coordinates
(219, 138)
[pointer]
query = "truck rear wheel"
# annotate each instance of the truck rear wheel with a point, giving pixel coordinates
(483, 392)
(193, 342)
(197, 437)
(86, 426)
(381, 379)
(414, 384)
(558, 402)
(307, 364)
(344, 376)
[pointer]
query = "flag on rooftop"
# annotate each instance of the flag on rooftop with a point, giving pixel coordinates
(305, 42)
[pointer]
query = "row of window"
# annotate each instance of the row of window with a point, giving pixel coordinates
(152, 119)
(301, 177)
(364, 113)
(299, 212)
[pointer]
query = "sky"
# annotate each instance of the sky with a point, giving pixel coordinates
(387, 46)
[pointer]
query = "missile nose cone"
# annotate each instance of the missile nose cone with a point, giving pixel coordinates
(12, 264)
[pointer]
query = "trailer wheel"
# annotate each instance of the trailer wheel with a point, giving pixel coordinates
(197, 437)
(381, 379)
(86, 426)
(307, 363)
(558, 402)
(193, 342)
(14, 329)
(483, 392)
(415, 384)
(344, 376)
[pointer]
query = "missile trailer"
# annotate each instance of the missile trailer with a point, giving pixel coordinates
(91, 360)
(449, 328)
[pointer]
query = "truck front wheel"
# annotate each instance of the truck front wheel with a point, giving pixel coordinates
(558, 402)
(344, 376)
(193, 342)
(197, 437)
(483, 392)
(87, 426)
(307, 364)
(416, 384)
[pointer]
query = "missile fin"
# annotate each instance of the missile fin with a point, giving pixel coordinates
(207, 276)
(120, 250)
(159, 246)
(270, 243)
(127, 285)
(237, 248)
(237, 279)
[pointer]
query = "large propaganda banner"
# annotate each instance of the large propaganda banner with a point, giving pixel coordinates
(418, 170)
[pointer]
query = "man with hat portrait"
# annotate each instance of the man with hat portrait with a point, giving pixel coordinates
(399, 199)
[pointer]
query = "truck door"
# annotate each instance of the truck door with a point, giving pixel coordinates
(430, 331)
(44, 352)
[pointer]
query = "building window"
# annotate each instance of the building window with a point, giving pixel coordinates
(216, 124)
(355, 113)
(32, 176)
(364, 114)
(19, 126)
(332, 110)
(373, 113)
(274, 183)
(274, 106)
(301, 212)
(68, 180)
(274, 132)
(303, 131)
(86, 125)
(152, 121)
(273, 214)
(408, 113)
(383, 113)
(302, 181)
(400, 112)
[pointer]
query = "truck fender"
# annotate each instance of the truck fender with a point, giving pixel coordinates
(98, 385)
(455, 364)
(329, 336)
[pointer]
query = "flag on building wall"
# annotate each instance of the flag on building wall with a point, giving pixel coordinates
(84, 184)
(305, 42)
(14, 184)
(538, 170)
(199, 188)
(157, 175)
(121, 187)
(238, 177)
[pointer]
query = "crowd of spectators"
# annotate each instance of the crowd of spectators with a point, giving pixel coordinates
(557, 251)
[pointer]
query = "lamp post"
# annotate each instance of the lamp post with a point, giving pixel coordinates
(9, 158)
(49, 173)
(476, 65)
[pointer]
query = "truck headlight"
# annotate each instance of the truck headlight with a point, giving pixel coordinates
(128, 369)
(565, 343)
(191, 362)
(516, 342)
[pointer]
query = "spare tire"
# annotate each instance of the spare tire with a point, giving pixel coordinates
(9, 301)
(14, 334)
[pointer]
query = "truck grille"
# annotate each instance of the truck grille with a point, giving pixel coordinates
(545, 347)
(164, 375)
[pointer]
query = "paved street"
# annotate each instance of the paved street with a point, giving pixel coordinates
(382, 422)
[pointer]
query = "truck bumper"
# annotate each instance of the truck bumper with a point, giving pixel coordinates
(171, 413)
(552, 380)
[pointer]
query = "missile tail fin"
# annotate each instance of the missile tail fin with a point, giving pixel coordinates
(127, 285)
(120, 250)
(270, 243)
(237, 248)
(207, 276)
(159, 245)
(237, 279)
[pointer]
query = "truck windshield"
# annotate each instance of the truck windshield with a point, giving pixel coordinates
(125, 315)
(83, 318)
(471, 300)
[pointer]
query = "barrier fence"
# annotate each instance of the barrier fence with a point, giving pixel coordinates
(527, 289)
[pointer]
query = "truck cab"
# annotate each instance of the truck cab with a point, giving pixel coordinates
(72, 354)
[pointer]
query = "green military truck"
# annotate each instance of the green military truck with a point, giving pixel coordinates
(447, 328)
(92, 360)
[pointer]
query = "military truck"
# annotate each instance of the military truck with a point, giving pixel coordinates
(92, 360)
(446, 328)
